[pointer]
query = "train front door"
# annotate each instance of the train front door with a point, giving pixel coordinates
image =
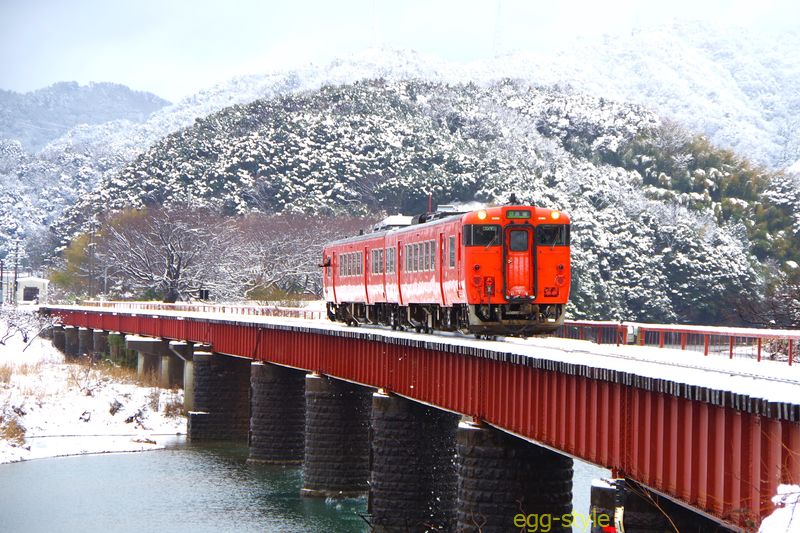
(519, 262)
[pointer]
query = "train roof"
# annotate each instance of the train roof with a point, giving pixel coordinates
(399, 224)
(420, 221)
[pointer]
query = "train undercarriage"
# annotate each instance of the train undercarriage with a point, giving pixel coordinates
(485, 320)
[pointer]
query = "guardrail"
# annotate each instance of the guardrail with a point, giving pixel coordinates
(774, 345)
(245, 310)
(597, 332)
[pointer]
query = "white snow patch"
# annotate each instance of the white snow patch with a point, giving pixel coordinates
(66, 408)
(786, 516)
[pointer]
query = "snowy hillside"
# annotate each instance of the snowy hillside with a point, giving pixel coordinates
(734, 86)
(739, 87)
(38, 117)
(355, 148)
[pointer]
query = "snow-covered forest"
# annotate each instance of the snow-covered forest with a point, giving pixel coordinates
(669, 223)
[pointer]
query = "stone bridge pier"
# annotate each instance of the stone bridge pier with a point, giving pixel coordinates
(336, 456)
(277, 414)
(221, 397)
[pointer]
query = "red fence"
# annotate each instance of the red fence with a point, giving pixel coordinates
(774, 345)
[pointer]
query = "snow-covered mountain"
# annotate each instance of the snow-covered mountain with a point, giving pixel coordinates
(739, 87)
(38, 117)
(385, 145)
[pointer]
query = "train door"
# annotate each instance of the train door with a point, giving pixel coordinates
(440, 268)
(365, 263)
(459, 270)
(399, 265)
(334, 273)
(519, 264)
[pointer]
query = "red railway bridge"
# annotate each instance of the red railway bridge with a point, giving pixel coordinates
(718, 441)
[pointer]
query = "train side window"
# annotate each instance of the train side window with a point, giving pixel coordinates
(408, 258)
(426, 255)
(391, 265)
(452, 243)
(482, 235)
(360, 267)
(553, 235)
(433, 256)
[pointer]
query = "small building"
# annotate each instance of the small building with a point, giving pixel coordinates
(32, 290)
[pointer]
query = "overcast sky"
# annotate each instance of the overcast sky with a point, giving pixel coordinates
(176, 47)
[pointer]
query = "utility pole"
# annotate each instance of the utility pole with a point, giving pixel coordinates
(2, 273)
(16, 271)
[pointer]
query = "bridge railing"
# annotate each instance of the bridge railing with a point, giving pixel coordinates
(243, 310)
(595, 331)
(733, 343)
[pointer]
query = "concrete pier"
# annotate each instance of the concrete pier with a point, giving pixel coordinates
(85, 341)
(71, 341)
(277, 414)
(501, 477)
(171, 375)
(116, 346)
(149, 354)
(100, 342)
(221, 397)
(336, 460)
(413, 474)
(185, 353)
(59, 338)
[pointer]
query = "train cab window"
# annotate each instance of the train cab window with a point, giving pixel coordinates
(552, 235)
(482, 235)
(451, 242)
(518, 240)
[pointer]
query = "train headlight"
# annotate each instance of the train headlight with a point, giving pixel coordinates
(482, 214)
(555, 215)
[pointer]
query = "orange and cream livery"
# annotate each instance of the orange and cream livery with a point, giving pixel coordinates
(495, 271)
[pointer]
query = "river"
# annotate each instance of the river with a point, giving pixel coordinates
(186, 487)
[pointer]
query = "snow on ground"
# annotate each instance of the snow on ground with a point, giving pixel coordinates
(786, 517)
(71, 408)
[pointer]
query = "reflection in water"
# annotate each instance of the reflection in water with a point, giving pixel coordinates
(193, 488)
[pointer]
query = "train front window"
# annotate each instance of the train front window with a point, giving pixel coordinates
(518, 240)
(553, 235)
(482, 235)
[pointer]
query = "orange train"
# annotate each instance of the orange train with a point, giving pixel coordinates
(495, 271)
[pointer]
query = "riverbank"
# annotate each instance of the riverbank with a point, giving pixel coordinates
(51, 408)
